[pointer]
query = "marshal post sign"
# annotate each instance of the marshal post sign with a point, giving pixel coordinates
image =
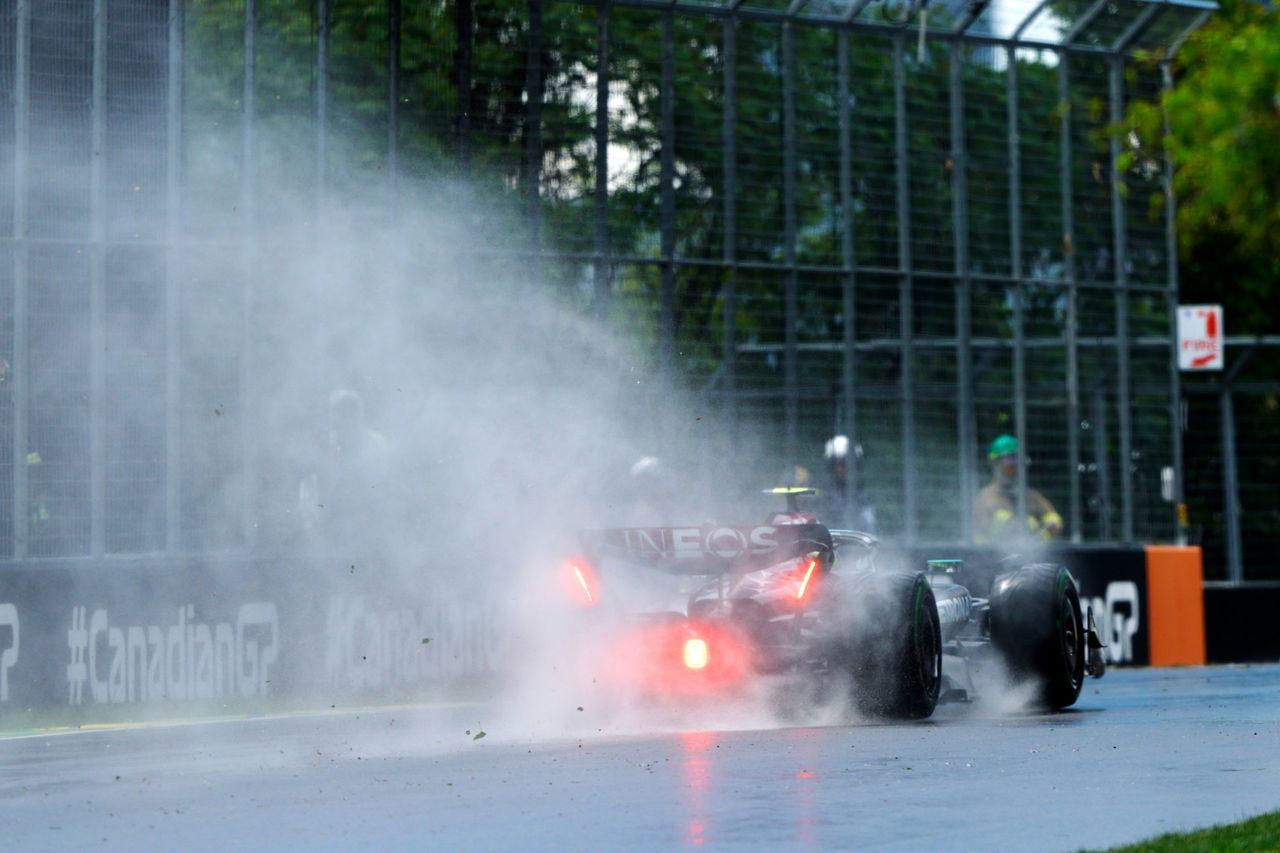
(1200, 337)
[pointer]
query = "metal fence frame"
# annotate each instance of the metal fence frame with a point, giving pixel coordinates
(848, 22)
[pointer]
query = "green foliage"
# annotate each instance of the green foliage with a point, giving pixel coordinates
(1218, 127)
(481, 131)
(1258, 834)
(1223, 118)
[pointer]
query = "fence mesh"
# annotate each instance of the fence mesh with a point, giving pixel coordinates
(876, 228)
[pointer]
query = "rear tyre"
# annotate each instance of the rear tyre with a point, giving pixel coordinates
(1037, 628)
(895, 649)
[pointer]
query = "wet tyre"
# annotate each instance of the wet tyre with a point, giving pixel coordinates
(894, 653)
(1037, 628)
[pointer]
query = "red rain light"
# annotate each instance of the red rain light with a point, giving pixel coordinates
(678, 661)
(696, 655)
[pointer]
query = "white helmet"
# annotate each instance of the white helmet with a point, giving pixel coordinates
(837, 449)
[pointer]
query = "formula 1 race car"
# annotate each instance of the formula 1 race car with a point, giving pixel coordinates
(707, 610)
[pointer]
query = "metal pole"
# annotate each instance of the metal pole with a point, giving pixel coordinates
(1099, 427)
(173, 284)
(1230, 484)
(322, 103)
(322, 359)
(730, 154)
(906, 324)
(98, 286)
(465, 25)
(248, 251)
(1126, 39)
(1075, 510)
(532, 122)
(1122, 308)
(1176, 44)
(666, 319)
(791, 283)
(1175, 378)
(1083, 22)
(249, 109)
(602, 265)
(1015, 262)
(1230, 476)
(822, 15)
(966, 415)
(393, 96)
(21, 277)
(848, 257)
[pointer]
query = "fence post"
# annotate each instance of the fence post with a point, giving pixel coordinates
(966, 416)
(532, 123)
(848, 261)
(602, 270)
(1015, 271)
(1230, 483)
(464, 28)
(248, 246)
(173, 284)
(790, 357)
(729, 368)
(1074, 501)
(21, 277)
(906, 324)
(1175, 378)
(322, 102)
(666, 303)
(1121, 272)
(1098, 423)
(393, 98)
(1230, 473)
(98, 156)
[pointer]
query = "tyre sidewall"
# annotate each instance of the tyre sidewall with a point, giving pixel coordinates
(894, 650)
(1036, 627)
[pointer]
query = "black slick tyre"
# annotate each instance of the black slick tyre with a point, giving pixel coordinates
(1037, 628)
(894, 652)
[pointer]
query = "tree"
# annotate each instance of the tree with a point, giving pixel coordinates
(1223, 116)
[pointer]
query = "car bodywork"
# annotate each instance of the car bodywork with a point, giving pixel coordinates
(709, 609)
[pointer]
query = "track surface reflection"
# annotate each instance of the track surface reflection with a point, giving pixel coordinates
(1144, 752)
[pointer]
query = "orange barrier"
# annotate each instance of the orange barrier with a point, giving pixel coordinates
(1175, 596)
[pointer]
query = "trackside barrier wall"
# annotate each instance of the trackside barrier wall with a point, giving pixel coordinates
(1240, 621)
(163, 635)
(167, 636)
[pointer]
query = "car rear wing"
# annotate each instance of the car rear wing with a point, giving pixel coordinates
(709, 549)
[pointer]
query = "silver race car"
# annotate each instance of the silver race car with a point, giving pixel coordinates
(678, 613)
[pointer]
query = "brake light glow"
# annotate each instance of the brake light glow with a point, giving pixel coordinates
(677, 660)
(810, 568)
(580, 582)
(696, 655)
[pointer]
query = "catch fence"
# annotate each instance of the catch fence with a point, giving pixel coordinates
(904, 222)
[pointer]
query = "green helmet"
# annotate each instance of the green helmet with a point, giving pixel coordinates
(1004, 445)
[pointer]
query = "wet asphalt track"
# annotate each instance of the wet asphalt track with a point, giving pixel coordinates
(1144, 752)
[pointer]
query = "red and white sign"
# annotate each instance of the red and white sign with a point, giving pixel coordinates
(1200, 337)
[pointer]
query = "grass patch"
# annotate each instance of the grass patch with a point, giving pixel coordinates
(1257, 835)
